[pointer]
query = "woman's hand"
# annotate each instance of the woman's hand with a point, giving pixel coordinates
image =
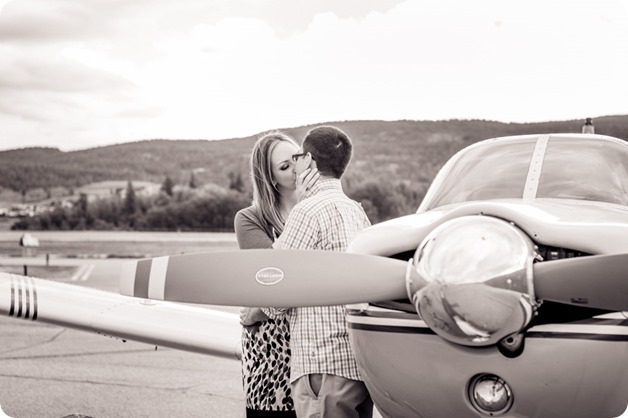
(305, 181)
(251, 316)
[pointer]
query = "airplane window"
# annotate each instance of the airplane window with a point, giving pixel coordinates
(585, 169)
(494, 170)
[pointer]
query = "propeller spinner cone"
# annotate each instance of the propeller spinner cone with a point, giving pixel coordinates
(479, 275)
(472, 314)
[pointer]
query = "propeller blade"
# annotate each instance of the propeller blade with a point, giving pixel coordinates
(597, 281)
(278, 278)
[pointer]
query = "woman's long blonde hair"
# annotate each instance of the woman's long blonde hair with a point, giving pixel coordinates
(266, 196)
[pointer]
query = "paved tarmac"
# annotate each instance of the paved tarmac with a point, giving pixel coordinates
(49, 371)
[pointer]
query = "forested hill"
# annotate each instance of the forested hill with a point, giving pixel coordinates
(400, 150)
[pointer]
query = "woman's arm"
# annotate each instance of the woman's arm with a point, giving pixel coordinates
(249, 233)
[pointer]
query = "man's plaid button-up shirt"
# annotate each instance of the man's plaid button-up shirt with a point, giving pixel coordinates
(325, 220)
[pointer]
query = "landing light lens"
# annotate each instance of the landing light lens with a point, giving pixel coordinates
(490, 395)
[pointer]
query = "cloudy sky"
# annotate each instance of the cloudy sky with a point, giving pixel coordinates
(81, 74)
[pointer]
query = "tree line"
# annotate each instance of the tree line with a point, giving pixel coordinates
(209, 207)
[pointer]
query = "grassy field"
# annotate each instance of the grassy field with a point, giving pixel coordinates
(43, 272)
(116, 249)
(98, 189)
(5, 224)
(88, 249)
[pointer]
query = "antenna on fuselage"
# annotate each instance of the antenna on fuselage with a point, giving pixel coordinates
(588, 127)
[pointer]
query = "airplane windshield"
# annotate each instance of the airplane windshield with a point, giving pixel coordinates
(495, 170)
(585, 169)
(573, 168)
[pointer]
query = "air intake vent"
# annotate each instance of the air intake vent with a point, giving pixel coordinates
(554, 253)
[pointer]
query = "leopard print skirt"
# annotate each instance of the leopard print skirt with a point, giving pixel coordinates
(266, 366)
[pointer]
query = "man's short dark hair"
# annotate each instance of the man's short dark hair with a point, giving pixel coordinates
(331, 148)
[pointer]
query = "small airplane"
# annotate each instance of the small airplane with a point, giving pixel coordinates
(505, 294)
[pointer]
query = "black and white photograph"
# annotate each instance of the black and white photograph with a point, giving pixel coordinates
(313, 209)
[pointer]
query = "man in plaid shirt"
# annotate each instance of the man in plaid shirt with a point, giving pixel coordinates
(324, 375)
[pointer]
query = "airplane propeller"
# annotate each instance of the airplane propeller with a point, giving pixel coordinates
(484, 286)
(485, 313)
(277, 278)
(597, 281)
(472, 280)
(313, 278)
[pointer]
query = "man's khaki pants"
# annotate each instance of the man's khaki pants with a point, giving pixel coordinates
(331, 396)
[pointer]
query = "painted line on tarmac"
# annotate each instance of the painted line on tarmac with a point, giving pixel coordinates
(83, 273)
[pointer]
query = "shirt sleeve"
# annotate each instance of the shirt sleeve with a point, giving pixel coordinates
(275, 313)
(249, 234)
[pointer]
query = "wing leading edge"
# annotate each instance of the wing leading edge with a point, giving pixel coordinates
(183, 327)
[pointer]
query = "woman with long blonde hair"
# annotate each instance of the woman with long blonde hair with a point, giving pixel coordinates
(265, 341)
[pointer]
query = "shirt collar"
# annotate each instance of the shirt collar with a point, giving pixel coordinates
(324, 184)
